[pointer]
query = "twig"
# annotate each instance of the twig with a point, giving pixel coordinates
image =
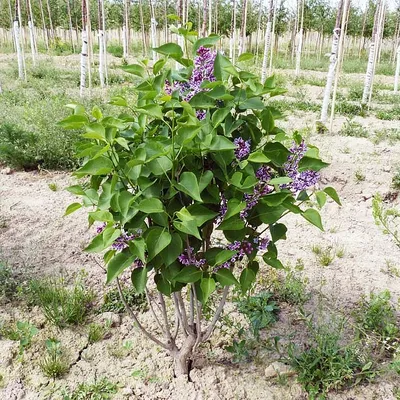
(132, 314)
(179, 315)
(153, 312)
(217, 315)
(183, 312)
(198, 318)
(165, 316)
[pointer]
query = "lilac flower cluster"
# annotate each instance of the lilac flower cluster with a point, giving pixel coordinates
(121, 242)
(242, 249)
(300, 180)
(264, 173)
(242, 148)
(203, 71)
(223, 208)
(262, 243)
(189, 258)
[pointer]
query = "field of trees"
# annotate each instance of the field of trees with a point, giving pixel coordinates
(199, 200)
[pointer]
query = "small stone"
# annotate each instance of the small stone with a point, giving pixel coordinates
(386, 169)
(6, 171)
(278, 369)
(111, 318)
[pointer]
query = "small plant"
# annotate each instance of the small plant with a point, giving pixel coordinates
(340, 252)
(324, 256)
(120, 350)
(388, 218)
(53, 187)
(291, 288)
(391, 269)
(325, 363)
(396, 179)
(22, 332)
(61, 305)
(359, 176)
(378, 316)
(239, 351)
(261, 310)
(54, 363)
(354, 129)
(97, 332)
(112, 301)
(8, 285)
(100, 390)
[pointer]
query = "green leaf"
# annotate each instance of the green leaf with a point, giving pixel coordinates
(150, 206)
(98, 166)
(163, 285)
(314, 164)
(267, 121)
(223, 68)
(73, 122)
(71, 208)
(201, 213)
(139, 279)
(101, 215)
(321, 198)
(202, 100)
(96, 245)
(280, 180)
(118, 264)
(221, 143)
(189, 185)
(138, 248)
(225, 277)
(313, 216)
(76, 189)
(219, 116)
(189, 227)
(157, 239)
(231, 224)
(245, 57)
(207, 286)
(170, 49)
(247, 277)
(278, 231)
(275, 199)
(234, 207)
(154, 110)
(254, 103)
(205, 42)
(276, 152)
(173, 250)
(272, 261)
(258, 157)
(205, 180)
(331, 192)
(110, 235)
(158, 66)
(189, 274)
(134, 69)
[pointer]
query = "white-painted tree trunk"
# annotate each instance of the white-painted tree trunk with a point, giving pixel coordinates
(84, 58)
(272, 37)
(124, 41)
(267, 41)
(233, 35)
(32, 40)
(242, 39)
(397, 73)
(125, 30)
(20, 58)
(153, 30)
(209, 17)
(300, 40)
(101, 58)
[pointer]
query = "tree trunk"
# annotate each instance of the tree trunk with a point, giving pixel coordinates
(396, 76)
(125, 30)
(362, 41)
(182, 357)
(333, 63)
(204, 28)
(267, 41)
(84, 53)
(300, 40)
(144, 40)
(232, 44)
(50, 21)
(258, 31)
(70, 26)
(21, 71)
(101, 43)
(153, 30)
(242, 40)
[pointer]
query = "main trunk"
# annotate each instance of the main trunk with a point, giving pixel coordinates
(182, 357)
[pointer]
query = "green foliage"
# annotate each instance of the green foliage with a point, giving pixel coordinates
(99, 390)
(61, 305)
(22, 332)
(354, 129)
(8, 284)
(387, 218)
(239, 350)
(261, 311)
(359, 176)
(324, 256)
(97, 332)
(120, 350)
(54, 364)
(291, 288)
(389, 115)
(396, 179)
(325, 363)
(112, 301)
(378, 315)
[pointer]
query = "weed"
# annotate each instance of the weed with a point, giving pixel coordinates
(396, 179)
(378, 316)
(22, 332)
(387, 218)
(359, 176)
(100, 390)
(391, 269)
(261, 311)
(112, 301)
(291, 288)
(354, 129)
(389, 115)
(316, 249)
(349, 109)
(53, 187)
(340, 251)
(239, 351)
(8, 285)
(324, 256)
(61, 305)
(54, 363)
(97, 332)
(325, 363)
(390, 135)
(120, 350)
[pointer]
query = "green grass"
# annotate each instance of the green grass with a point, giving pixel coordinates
(112, 301)
(98, 390)
(21, 331)
(396, 179)
(62, 305)
(54, 364)
(354, 129)
(8, 284)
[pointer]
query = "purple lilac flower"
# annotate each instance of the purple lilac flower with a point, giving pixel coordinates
(101, 228)
(300, 180)
(262, 243)
(264, 173)
(252, 199)
(223, 208)
(201, 114)
(121, 242)
(242, 148)
(189, 258)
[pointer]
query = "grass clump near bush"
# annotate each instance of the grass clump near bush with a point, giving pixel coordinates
(61, 305)
(112, 301)
(396, 179)
(291, 288)
(54, 364)
(99, 390)
(8, 284)
(354, 129)
(325, 363)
